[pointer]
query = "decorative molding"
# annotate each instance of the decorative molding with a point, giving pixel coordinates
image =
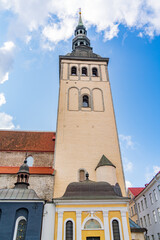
(89, 218)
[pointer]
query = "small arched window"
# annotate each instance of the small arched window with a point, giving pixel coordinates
(115, 227)
(92, 224)
(73, 71)
(94, 72)
(81, 43)
(20, 228)
(69, 230)
(30, 161)
(84, 71)
(0, 214)
(81, 175)
(85, 101)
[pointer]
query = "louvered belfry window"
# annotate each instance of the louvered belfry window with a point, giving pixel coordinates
(69, 230)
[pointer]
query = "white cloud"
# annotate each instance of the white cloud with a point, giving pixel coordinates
(150, 173)
(6, 121)
(128, 166)
(128, 184)
(2, 99)
(6, 60)
(126, 141)
(55, 19)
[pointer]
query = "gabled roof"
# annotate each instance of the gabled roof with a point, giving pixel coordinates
(27, 141)
(104, 161)
(136, 190)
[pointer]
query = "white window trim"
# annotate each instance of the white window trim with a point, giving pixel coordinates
(16, 225)
(95, 218)
(120, 228)
(69, 219)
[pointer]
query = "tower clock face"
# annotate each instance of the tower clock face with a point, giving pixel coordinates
(21, 231)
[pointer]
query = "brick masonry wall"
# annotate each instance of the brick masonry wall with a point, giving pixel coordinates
(41, 184)
(15, 159)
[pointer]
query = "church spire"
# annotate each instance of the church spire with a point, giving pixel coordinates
(23, 175)
(80, 40)
(80, 18)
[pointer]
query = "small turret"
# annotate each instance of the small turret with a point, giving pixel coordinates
(23, 176)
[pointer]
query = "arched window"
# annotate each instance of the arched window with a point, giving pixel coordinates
(69, 230)
(30, 161)
(81, 175)
(85, 101)
(73, 71)
(115, 227)
(84, 71)
(20, 228)
(94, 72)
(92, 224)
(81, 43)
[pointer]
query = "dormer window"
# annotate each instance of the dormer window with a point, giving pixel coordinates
(85, 101)
(73, 71)
(94, 72)
(84, 71)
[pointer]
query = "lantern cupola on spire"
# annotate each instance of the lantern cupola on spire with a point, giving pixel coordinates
(80, 39)
(23, 176)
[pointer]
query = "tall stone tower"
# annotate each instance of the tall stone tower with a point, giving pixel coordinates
(86, 138)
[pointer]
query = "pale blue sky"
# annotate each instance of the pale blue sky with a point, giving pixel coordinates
(31, 40)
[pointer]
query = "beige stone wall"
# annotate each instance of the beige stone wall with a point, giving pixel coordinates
(106, 174)
(131, 208)
(83, 136)
(15, 158)
(137, 236)
(41, 184)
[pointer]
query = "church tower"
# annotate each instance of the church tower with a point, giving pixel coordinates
(86, 137)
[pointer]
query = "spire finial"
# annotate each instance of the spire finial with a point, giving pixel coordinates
(80, 18)
(87, 176)
(25, 160)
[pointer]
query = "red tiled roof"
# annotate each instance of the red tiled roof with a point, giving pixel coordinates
(27, 141)
(32, 170)
(136, 190)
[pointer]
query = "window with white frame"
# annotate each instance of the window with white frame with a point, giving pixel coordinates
(151, 198)
(158, 236)
(142, 205)
(145, 202)
(141, 222)
(149, 219)
(69, 230)
(139, 209)
(132, 211)
(154, 216)
(92, 224)
(158, 210)
(155, 195)
(20, 228)
(152, 237)
(145, 222)
(116, 231)
(158, 188)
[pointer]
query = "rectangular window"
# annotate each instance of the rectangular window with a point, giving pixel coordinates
(141, 222)
(148, 238)
(132, 211)
(155, 195)
(158, 236)
(149, 219)
(142, 205)
(139, 209)
(145, 202)
(135, 209)
(145, 222)
(152, 237)
(158, 210)
(151, 198)
(158, 188)
(154, 216)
